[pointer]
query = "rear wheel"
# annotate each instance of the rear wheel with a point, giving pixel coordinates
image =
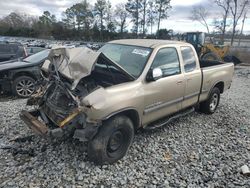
(112, 141)
(210, 105)
(23, 86)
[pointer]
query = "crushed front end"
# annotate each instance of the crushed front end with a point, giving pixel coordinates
(71, 76)
(58, 112)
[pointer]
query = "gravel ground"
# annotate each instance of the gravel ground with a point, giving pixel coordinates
(195, 151)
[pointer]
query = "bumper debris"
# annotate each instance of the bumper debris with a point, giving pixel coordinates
(33, 123)
(82, 134)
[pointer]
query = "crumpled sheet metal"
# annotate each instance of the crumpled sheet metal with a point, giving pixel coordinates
(74, 63)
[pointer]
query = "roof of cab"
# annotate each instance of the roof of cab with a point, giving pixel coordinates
(150, 43)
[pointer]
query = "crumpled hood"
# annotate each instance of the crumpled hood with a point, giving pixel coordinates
(73, 63)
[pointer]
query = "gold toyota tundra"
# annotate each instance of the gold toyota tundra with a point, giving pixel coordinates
(101, 98)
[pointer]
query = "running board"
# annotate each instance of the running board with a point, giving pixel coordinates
(168, 119)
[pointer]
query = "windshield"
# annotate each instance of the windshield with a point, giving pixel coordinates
(131, 58)
(38, 57)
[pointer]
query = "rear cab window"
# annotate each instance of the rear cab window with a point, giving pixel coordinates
(189, 59)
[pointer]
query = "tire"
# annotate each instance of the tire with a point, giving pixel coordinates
(210, 105)
(112, 141)
(210, 56)
(23, 86)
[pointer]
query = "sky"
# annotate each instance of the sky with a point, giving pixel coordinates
(179, 19)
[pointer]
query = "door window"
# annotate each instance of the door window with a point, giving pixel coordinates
(167, 60)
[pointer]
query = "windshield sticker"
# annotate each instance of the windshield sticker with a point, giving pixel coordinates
(140, 52)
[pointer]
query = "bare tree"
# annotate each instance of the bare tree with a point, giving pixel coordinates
(225, 5)
(121, 15)
(242, 27)
(201, 14)
(218, 26)
(237, 8)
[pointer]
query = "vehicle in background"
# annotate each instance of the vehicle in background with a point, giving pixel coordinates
(69, 46)
(95, 46)
(33, 50)
(207, 50)
(10, 51)
(81, 44)
(89, 45)
(36, 43)
(19, 77)
(101, 98)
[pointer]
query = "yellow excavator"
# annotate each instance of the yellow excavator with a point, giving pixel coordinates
(209, 51)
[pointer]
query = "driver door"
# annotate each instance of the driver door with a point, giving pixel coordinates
(165, 95)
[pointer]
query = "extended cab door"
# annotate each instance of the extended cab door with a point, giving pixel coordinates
(164, 96)
(192, 75)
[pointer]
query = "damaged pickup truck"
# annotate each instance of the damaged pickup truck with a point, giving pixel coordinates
(101, 98)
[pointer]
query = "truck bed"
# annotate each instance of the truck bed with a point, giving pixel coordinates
(214, 72)
(210, 63)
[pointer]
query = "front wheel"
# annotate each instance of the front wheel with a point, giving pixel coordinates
(210, 105)
(112, 141)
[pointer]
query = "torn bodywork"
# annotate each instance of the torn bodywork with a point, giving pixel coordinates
(69, 76)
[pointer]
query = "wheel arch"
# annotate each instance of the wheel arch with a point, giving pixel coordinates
(131, 113)
(23, 73)
(220, 86)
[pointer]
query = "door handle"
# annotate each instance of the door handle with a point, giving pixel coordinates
(189, 79)
(179, 82)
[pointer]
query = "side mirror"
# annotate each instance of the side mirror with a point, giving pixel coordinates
(154, 74)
